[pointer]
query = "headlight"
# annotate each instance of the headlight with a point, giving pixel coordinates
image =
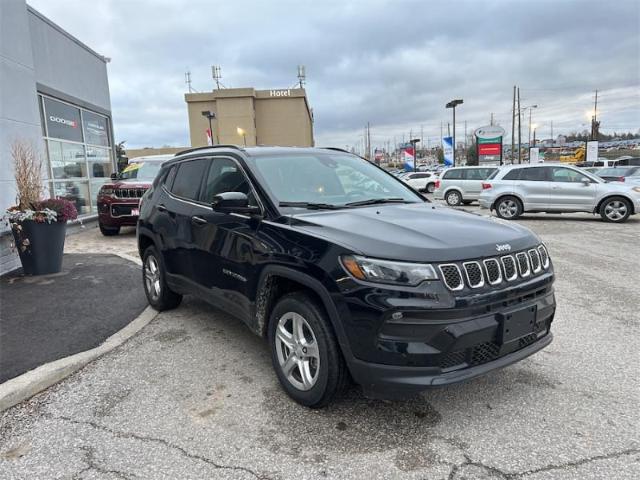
(385, 271)
(106, 191)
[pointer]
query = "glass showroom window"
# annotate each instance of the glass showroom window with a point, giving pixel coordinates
(78, 146)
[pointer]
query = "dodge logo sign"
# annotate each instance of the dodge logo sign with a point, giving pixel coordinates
(64, 121)
(505, 247)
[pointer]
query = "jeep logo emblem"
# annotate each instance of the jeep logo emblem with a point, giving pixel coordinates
(505, 247)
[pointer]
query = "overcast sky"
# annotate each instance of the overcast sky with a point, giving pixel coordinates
(392, 63)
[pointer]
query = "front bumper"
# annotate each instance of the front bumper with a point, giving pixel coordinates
(390, 381)
(399, 347)
(117, 212)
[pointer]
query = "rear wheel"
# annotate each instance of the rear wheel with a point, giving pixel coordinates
(304, 351)
(453, 198)
(159, 295)
(431, 187)
(109, 231)
(508, 208)
(615, 210)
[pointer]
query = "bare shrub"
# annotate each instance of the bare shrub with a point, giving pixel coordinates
(27, 167)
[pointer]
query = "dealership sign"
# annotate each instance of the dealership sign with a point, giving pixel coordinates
(489, 143)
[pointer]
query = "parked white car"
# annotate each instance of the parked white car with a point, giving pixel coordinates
(516, 189)
(421, 181)
(458, 185)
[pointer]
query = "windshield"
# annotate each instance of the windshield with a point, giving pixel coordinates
(327, 179)
(140, 171)
(615, 172)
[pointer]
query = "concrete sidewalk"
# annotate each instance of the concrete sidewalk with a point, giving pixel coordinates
(45, 318)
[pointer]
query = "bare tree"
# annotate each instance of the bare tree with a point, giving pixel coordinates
(27, 167)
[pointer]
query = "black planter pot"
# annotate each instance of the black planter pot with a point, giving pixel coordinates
(43, 253)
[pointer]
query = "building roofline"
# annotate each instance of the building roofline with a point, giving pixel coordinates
(66, 34)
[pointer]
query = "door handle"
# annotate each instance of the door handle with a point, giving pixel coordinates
(161, 208)
(555, 187)
(198, 220)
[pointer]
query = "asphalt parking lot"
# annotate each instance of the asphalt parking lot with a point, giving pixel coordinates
(193, 395)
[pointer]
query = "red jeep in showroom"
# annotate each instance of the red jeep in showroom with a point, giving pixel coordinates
(119, 200)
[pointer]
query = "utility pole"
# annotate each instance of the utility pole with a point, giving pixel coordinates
(513, 126)
(448, 129)
(594, 120)
(519, 130)
(422, 136)
(491, 121)
(465, 136)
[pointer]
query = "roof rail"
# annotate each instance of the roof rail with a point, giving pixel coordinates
(195, 149)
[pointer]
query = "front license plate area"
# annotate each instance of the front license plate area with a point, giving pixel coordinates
(516, 324)
(135, 212)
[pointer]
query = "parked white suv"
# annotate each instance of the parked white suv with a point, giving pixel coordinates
(421, 181)
(516, 189)
(461, 184)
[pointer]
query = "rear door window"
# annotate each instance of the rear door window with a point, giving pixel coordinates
(533, 174)
(188, 179)
(453, 175)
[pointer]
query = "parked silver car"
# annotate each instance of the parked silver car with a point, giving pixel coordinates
(461, 184)
(516, 189)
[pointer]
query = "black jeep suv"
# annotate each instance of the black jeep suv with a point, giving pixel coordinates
(344, 269)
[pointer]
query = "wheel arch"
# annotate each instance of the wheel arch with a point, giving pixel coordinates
(612, 195)
(508, 194)
(276, 281)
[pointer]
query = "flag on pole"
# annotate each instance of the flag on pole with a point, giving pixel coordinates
(209, 137)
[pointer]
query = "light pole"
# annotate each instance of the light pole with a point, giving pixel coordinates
(210, 115)
(453, 104)
(243, 134)
(530, 107)
(415, 151)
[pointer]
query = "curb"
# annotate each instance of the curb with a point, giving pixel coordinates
(28, 384)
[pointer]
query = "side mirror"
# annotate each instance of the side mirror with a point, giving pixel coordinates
(586, 182)
(233, 202)
(114, 176)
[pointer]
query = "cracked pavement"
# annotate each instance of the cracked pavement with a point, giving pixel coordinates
(193, 395)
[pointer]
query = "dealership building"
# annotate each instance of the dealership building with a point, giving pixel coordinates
(246, 116)
(54, 95)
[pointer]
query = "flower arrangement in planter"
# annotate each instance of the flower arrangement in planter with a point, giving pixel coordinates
(38, 226)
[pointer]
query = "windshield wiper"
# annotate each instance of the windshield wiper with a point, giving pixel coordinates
(311, 205)
(375, 201)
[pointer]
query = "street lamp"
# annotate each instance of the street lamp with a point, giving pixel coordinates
(530, 107)
(415, 151)
(210, 115)
(453, 104)
(243, 134)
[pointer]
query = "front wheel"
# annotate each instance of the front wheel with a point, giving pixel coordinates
(159, 295)
(304, 351)
(615, 210)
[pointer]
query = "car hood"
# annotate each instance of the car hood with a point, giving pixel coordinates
(416, 232)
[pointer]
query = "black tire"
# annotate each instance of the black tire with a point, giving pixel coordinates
(431, 187)
(615, 209)
(331, 375)
(109, 231)
(165, 299)
(508, 207)
(453, 198)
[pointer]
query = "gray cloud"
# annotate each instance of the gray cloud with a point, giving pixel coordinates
(394, 64)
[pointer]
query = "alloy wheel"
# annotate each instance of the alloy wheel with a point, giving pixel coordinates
(508, 208)
(297, 351)
(152, 277)
(615, 210)
(453, 198)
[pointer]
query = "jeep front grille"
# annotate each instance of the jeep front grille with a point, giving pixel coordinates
(509, 265)
(523, 264)
(476, 274)
(129, 192)
(534, 256)
(492, 267)
(451, 276)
